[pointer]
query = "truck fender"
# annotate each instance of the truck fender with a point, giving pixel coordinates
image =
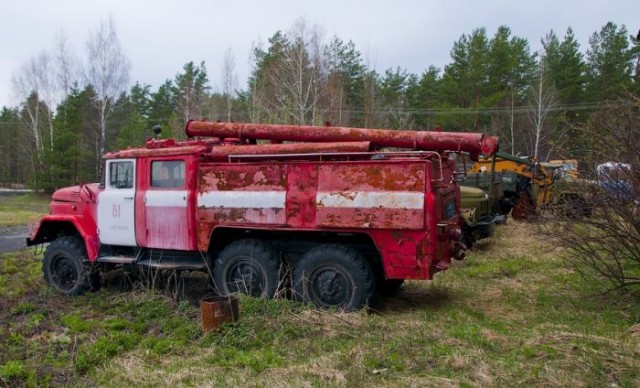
(50, 227)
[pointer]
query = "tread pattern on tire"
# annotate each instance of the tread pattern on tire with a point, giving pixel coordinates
(345, 257)
(264, 255)
(75, 249)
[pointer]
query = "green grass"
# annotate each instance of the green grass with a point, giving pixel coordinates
(18, 210)
(20, 274)
(510, 314)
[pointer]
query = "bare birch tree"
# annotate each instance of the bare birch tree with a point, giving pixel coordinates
(48, 90)
(41, 84)
(257, 107)
(34, 85)
(544, 100)
(67, 69)
(108, 72)
(229, 80)
(297, 77)
(372, 100)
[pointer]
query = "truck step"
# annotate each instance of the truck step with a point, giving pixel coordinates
(116, 259)
(173, 264)
(165, 259)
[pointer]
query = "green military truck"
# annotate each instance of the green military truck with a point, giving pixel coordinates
(475, 209)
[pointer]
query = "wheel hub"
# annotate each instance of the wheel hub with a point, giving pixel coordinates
(65, 273)
(330, 287)
(246, 278)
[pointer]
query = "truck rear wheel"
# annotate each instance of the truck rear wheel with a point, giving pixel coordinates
(247, 266)
(333, 276)
(65, 266)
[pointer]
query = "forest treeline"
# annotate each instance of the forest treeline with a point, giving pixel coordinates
(68, 112)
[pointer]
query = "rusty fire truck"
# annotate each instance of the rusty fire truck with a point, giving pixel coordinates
(346, 217)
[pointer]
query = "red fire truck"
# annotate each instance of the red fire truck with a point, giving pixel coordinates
(325, 211)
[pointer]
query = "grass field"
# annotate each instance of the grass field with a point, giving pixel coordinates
(511, 314)
(17, 210)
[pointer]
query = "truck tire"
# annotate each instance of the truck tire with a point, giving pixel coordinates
(466, 238)
(66, 267)
(333, 276)
(247, 266)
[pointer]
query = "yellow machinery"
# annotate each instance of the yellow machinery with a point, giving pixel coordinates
(564, 168)
(527, 185)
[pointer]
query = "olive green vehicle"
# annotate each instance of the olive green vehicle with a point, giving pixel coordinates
(571, 195)
(476, 211)
(479, 194)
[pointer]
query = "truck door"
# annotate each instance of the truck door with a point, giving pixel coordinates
(116, 213)
(166, 210)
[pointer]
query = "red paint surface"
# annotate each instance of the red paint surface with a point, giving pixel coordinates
(372, 177)
(242, 177)
(302, 183)
(168, 228)
(409, 240)
(370, 218)
(412, 242)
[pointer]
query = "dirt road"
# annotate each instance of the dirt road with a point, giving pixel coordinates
(13, 238)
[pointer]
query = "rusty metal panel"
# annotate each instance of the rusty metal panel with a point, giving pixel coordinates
(223, 153)
(241, 194)
(371, 195)
(302, 184)
(147, 152)
(403, 253)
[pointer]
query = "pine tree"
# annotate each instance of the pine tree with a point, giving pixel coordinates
(609, 64)
(130, 118)
(465, 80)
(566, 67)
(162, 106)
(73, 158)
(189, 90)
(13, 161)
(427, 98)
(345, 83)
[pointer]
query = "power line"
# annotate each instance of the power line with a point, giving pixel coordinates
(574, 107)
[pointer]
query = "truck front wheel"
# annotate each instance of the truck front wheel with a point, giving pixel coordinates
(247, 266)
(65, 266)
(333, 276)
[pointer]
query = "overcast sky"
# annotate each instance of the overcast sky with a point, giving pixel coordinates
(160, 36)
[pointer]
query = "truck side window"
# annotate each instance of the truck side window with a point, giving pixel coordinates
(121, 175)
(167, 173)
